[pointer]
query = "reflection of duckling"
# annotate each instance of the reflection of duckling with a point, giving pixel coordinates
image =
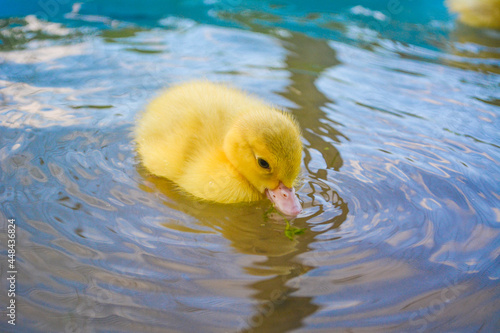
(477, 13)
(221, 145)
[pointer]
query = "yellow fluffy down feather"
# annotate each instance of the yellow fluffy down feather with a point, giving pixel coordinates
(222, 145)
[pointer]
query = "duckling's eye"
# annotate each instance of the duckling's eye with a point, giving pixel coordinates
(263, 163)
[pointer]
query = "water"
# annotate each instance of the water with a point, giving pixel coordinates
(399, 111)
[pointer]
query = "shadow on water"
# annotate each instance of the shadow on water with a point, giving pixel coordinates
(249, 232)
(277, 305)
(306, 59)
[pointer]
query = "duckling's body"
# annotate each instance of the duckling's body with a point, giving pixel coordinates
(210, 140)
(477, 13)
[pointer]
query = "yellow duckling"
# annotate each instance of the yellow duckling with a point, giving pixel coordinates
(477, 13)
(219, 144)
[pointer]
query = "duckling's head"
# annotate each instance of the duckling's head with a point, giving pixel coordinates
(265, 147)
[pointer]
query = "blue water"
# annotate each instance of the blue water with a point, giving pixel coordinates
(399, 108)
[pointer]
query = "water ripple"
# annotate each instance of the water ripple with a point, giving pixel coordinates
(400, 184)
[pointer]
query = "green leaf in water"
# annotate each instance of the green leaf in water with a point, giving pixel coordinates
(290, 231)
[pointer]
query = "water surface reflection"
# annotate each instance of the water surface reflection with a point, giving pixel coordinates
(400, 188)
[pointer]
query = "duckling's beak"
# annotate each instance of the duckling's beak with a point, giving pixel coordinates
(285, 200)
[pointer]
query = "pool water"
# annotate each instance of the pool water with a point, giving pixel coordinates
(399, 108)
